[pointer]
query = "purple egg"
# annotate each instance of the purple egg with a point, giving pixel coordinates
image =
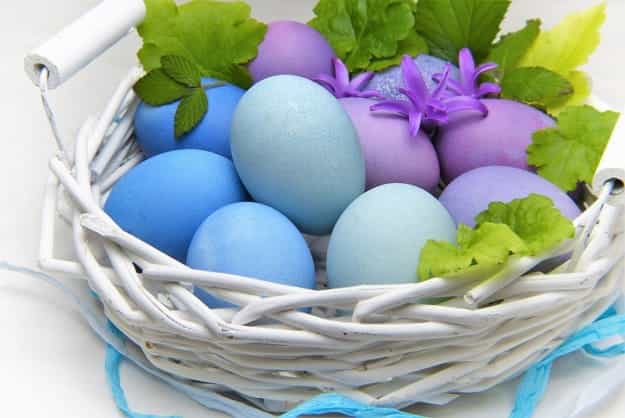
(292, 48)
(392, 155)
(471, 193)
(470, 140)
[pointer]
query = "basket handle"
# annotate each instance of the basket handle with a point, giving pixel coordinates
(612, 165)
(74, 47)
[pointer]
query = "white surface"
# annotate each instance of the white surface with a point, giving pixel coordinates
(53, 363)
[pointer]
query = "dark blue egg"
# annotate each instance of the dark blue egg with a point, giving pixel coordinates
(154, 126)
(164, 200)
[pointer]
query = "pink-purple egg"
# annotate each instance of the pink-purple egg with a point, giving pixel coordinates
(471, 193)
(392, 155)
(471, 140)
(292, 48)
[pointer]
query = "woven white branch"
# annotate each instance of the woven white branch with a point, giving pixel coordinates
(383, 345)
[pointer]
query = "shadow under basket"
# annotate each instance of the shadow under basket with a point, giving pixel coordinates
(381, 345)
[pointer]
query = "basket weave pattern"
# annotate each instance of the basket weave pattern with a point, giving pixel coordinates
(384, 345)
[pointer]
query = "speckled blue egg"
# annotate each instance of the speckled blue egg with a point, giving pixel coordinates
(379, 237)
(251, 240)
(163, 200)
(297, 151)
(154, 125)
(389, 82)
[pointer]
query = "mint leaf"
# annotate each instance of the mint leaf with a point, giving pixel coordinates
(535, 86)
(190, 112)
(571, 152)
(366, 31)
(156, 88)
(450, 25)
(487, 247)
(534, 219)
(512, 47)
(413, 45)
(567, 46)
(220, 38)
(181, 70)
(523, 227)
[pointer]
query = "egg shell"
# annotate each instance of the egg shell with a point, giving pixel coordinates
(392, 155)
(471, 140)
(470, 194)
(379, 237)
(388, 82)
(154, 125)
(292, 48)
(163, 200)
(297, 151)
(251, 240)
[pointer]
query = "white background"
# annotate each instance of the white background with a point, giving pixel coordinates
(52, 364)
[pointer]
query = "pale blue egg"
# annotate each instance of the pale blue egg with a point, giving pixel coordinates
(297, 151)
(154, 125)
(251, 240)
(378, 239)
(163, 200)
(389, 82)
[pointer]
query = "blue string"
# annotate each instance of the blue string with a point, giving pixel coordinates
(112, 364)
(534, 383)
(333, 403)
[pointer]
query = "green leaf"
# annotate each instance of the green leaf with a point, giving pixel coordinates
(511, 48)
(413, 45)
(450, 25)
(567, 46)
(182, 70)
(534, 219)
(156, 88)
(366, 31)
(581, 91)
(571, 152)
(523, 227)
(486, 248)
(220, 38)
(190, 112)
(536, 86)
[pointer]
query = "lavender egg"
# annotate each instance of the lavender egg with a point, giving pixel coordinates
(471, 140)
(292, 48)
(392, 155)
(471, 193)
(390, 81)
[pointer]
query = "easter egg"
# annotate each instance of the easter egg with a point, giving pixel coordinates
(388, 82)
(251, 240)
(379, 237)
(297, 151)
(154, 125)
(471, 140)
(471, 193)
(163, 200)
(391, 154)
(292, 48)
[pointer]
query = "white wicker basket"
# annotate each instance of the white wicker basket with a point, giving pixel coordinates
(394, 350)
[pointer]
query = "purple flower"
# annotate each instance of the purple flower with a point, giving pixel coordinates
(422, 107)
(341, 86)
(469, 84)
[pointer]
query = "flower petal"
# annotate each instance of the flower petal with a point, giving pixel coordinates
(487, 89)
(461, 103)
(442, 85)
(341, 73)
(327, 82)
(414, 121)
(467, 68)
(393, 106)
(361, 80)
(413, 80)
(484, 68)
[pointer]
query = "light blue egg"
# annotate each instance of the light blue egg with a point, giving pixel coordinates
(389, 81)
(296, 150)
(378, 239)
(154, 126)
(252, 240)
(164, 199)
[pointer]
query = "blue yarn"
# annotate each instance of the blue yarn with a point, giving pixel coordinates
(333, 403)
(534, 382)
(112, 364)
